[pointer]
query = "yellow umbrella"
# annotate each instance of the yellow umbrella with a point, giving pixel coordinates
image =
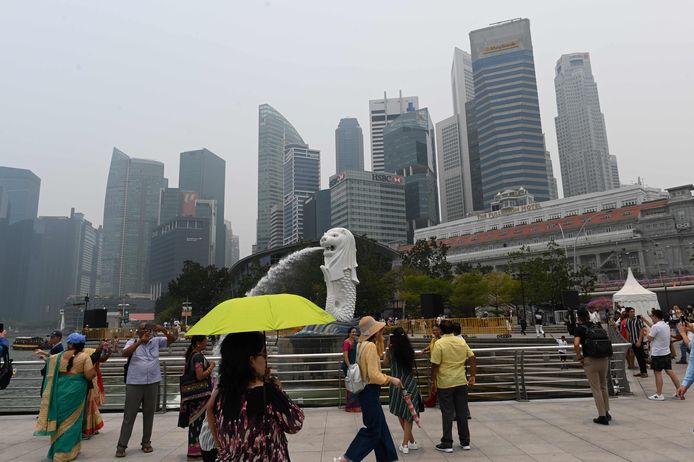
(260, 313)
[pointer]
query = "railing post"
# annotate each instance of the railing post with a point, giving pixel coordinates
(339, 387)
(515, 375)
(524, 390)
(620, 372)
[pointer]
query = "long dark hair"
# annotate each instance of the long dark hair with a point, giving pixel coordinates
(235, 370)
(194, 340)
(403, 353)
(77, 349)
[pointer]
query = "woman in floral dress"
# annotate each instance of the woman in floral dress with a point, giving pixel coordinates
(249, 413)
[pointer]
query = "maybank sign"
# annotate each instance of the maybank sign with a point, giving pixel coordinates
(509, 45)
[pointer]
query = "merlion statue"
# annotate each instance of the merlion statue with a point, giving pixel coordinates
(340, 273)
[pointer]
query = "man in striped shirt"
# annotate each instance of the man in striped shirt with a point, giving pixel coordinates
(634, 327)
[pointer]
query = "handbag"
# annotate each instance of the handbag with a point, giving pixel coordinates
(353, 381)
(6, 371)
(192, 388)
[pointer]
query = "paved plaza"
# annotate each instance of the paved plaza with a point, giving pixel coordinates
(542, 430)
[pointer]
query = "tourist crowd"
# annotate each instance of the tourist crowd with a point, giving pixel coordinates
(245, 414)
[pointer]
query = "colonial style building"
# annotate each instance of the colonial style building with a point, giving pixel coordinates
(646, 229)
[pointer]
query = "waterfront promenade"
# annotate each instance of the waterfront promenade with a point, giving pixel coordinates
(509, 431)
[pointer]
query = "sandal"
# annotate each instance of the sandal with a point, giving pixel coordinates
(147, 448)
(120, 452)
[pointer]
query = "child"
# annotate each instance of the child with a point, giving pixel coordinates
(562, 351)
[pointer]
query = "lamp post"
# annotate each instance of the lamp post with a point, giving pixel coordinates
(585, 222)
(660, 269)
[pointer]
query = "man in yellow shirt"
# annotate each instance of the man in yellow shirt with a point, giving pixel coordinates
(448, 357)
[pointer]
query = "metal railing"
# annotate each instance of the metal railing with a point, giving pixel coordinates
(503, 373)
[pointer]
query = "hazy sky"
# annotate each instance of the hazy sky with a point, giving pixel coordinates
(156, 78)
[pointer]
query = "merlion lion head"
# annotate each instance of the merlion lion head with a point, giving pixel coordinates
(340, 252)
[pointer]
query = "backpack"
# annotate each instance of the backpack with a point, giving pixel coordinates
(597, 344)
(353, 380)
(6, 371)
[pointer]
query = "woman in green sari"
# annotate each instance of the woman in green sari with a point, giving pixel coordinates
(62, 404)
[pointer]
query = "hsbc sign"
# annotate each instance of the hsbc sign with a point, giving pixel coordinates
(386, 178)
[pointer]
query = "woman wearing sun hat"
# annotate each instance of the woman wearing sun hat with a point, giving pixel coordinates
(375, 435)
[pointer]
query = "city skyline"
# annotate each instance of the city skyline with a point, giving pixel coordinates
(134, 113)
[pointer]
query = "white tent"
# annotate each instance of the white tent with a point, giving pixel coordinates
(636, 296)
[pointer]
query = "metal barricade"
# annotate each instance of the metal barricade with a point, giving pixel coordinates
(503, 373)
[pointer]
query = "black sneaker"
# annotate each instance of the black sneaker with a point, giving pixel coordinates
(465, 446)
(602, 420)
(609, 417)
(443, 447)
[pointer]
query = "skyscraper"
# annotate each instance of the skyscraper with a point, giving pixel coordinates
(507, 112)
(458, 160)
(232, 246)
(20, 193)
(369, 204)
(131, 212)
(349, 145)
(382, 111)
(301, 180)
(66, 263)
(409, 151)
(203, 172)
(274, 133)
(585, 160)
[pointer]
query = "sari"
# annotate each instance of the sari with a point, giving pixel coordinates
(61, 411)
(352, 400)
(92, 421)
(192, 410)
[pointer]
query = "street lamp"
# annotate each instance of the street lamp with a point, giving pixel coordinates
(585, 222)
(660, 269)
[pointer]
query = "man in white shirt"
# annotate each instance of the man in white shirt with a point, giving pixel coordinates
(661, 360)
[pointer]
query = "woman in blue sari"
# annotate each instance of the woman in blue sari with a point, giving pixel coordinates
(62, 404)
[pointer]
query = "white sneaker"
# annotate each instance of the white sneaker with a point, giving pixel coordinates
(413, 445)
(404, 449)
(466, 447)
(657, 397)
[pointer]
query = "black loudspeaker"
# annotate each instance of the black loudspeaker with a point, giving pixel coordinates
(95, 318)
(570, 299)
(432, 305)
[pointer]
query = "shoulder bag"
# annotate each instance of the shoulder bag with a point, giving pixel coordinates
(353, 381)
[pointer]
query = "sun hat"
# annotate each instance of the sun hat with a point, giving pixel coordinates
(369, 326)
(76, 338)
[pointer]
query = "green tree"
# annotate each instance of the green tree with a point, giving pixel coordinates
(502, 289)
(469, 290)
(585, 279)
(250, 278)
(428, 257)
(203, 286)
(544, 276)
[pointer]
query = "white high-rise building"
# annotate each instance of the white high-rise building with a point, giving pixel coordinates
(381, 111)
(456, 189)
(586, 164)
